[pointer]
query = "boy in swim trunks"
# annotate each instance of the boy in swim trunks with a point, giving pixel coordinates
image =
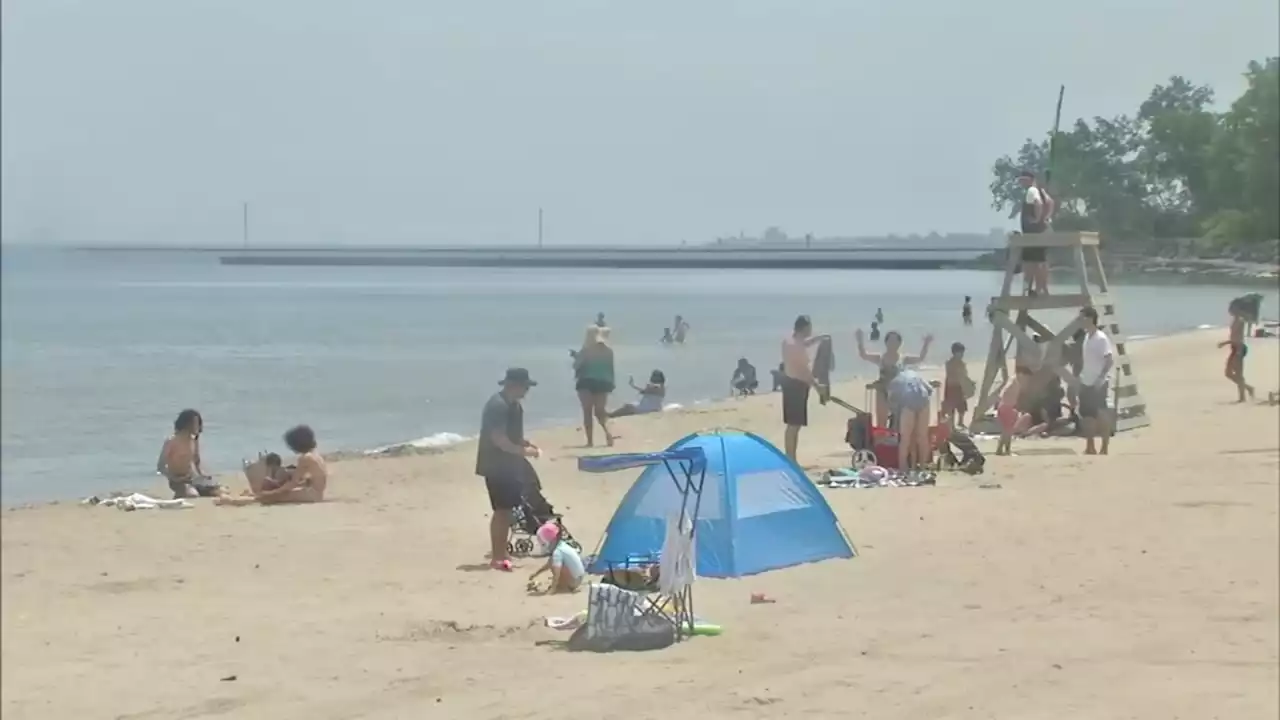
(957, 387)
(1235, 360)
(1012, 421)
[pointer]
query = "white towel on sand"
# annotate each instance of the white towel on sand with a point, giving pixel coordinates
(138, 501)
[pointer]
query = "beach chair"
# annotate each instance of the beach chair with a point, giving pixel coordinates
(620, 619)
(669, 599)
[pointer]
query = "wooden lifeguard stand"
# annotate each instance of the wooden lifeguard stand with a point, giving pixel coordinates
(1010, 313)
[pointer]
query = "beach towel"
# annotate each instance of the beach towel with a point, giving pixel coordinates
(824, 362)
(675, 565)
(138, 501)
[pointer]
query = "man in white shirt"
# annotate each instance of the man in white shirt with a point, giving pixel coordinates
(1097, 362)
(797, 378)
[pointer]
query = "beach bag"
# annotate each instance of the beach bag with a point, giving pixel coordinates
(858, 432)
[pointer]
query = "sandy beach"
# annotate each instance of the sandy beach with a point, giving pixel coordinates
(1139, 585)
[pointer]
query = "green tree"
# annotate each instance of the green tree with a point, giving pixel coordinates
(1178, 130)
(1175, 169)
(1094, 180)
(1245, 162)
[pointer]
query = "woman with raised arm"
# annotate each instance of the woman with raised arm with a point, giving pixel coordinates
(889, 362)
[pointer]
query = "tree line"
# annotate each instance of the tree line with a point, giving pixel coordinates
(1174, 169)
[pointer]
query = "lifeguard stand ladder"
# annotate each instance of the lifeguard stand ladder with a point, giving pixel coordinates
(1127, 403)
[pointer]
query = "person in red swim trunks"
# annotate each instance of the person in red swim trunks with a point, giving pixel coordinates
(1012, 421)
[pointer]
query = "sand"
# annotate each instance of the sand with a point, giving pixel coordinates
(1140, 585)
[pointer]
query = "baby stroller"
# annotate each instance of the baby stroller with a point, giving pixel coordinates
(533, 512)
(971, 460)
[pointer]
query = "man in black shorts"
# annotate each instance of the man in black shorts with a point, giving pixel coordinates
(796, 379)
(1096, 366)
(1036, 206)
(501, 458)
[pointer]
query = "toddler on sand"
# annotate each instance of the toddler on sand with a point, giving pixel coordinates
(564, 563)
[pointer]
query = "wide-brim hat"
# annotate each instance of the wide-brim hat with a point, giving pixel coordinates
(517, 376)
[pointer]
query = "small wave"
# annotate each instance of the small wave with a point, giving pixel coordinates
(1141, 337)
(1205, 327)
(672, 406)
(428, 445)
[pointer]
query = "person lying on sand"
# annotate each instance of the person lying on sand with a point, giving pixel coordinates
(651, 396)
(179, 460)
(564, 563)
(306, 482)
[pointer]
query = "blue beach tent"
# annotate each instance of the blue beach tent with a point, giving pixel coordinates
(754, 509)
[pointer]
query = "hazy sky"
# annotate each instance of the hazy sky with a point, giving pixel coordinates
(395, 121)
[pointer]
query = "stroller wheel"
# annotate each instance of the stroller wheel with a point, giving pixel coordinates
(523, 546)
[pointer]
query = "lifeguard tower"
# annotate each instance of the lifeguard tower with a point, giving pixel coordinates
(1012, 314)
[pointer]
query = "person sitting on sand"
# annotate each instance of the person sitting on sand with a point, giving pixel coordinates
(1044, 407)
(651, 396)
(306, 482)
(276, 473)
(743, 381)
(1012, 421)
(179, 460)
(564, 562)
(779, 376)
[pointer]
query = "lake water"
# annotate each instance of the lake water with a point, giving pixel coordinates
(101, 350)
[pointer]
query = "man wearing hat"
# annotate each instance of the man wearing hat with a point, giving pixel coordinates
(501, 458)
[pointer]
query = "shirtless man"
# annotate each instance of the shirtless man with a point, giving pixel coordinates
(1235, 361)
(797, 379)
(179, 460)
